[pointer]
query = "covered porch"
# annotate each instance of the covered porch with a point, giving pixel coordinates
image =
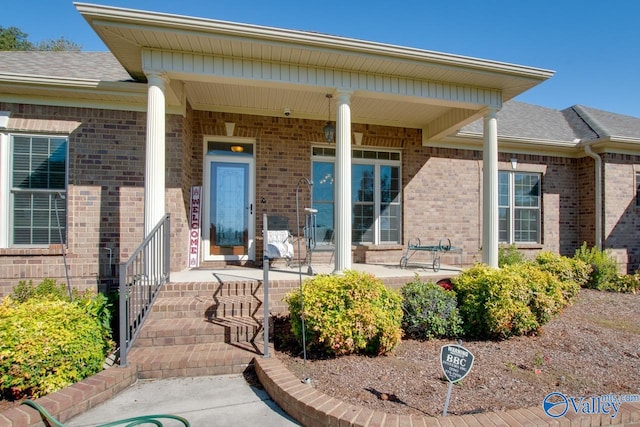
(218, 76)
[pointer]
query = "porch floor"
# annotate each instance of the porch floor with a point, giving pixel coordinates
(282, 272)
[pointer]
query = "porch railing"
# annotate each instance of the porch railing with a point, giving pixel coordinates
(141, 278)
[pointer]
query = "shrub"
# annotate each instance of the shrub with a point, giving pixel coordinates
(97, 306)
(100, 308)
(515, 300)
(46, 345)
(604, 269)
(48, 288)
(430, 311)
(347, 314)
(547, 293)
(509, 255)
(572, 272)
(625, 283)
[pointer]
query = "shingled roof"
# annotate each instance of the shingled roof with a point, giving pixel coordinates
(578, 123)
(605, 124)
(75, 65)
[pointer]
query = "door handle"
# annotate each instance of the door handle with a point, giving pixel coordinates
(250, 208)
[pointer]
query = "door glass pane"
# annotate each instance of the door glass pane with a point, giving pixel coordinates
(229, 215)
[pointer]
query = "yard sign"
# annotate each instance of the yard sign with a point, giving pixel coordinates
(456, 363)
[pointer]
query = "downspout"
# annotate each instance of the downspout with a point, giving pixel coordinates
(598, 177)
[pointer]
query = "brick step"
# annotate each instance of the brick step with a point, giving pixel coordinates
(212, 289)
(206, 307)
(168, 332)
(191, 360)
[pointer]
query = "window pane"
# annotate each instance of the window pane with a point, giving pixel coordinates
(389, 184)
(362, 183)
(527, 190)
(362, 223)
(323, 201)
(390, 223)
(322, 182)
(503, 188)
(324, 223)
(503, 225)
(526, 225)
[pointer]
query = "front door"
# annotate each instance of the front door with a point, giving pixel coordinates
(229, 208)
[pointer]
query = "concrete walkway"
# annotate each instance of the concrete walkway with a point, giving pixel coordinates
(222, 400)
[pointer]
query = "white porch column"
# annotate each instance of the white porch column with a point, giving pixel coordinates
(343, 183)
(490, 190)
(154, 169)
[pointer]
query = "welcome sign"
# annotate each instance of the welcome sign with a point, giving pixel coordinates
(194, 227)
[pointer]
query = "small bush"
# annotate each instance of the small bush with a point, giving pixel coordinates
(347, 314)
(48, 288)
(515, 300)
(430, 311)
(572, 272)
(548, 295)
(604, 268)
(46, 345)
(97, 306)
(509, 255)
(625, 283)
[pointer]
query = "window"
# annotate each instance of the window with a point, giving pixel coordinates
(375, 192)
(37, 194)
(519, 207)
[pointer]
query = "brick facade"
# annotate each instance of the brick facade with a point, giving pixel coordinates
(621, 221)
(441, 196)
(105, 197)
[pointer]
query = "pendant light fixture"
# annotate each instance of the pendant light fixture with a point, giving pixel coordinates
(328, 129)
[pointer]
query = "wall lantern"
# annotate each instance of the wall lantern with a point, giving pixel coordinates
(514, 163)
(329, 130)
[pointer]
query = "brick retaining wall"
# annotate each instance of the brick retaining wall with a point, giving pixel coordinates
(73, 400)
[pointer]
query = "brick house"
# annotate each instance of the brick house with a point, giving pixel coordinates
(96, 147)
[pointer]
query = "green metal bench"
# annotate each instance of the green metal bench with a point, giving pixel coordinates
(127, 422)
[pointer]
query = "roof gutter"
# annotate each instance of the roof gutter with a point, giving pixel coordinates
(598, 207)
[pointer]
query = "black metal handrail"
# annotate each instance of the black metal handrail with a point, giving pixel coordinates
(141, 278)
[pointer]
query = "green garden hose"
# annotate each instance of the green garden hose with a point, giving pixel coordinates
(128, 422)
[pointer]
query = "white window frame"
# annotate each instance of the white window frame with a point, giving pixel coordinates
(4, 189)
(6, 211)
(377, 163)
(511, 207)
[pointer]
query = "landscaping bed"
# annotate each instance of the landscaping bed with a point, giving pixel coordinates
(590, 349)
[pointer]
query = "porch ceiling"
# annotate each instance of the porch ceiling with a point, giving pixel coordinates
(130, 33)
